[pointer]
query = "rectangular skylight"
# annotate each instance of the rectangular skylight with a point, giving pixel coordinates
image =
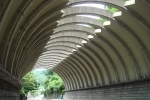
(101, 6)
(90, 16)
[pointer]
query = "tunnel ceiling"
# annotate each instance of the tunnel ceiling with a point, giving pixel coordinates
(80, 40)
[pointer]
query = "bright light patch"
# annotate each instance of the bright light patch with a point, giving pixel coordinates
(70, 53)
(106, 23)
(90, 16)
(91, 5)
(83, 41)
(130, 2)
(90, 36)
(97, 30)
(117, 14)
(62, 11)
(78, 46)
(40, 69)
(84, 25)
(73, 50)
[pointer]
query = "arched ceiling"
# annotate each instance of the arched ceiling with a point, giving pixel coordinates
(70, 38)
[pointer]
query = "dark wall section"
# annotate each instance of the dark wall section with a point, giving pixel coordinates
(8, 91)
(9, 86)
(130, 91)
(8, 95)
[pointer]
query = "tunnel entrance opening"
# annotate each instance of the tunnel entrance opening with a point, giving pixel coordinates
(41, 84)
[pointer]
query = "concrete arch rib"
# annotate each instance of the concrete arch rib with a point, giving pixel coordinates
(42, 38)
(90, 59)
(136, 35)
(33, 14)
(127, 49)
(4, 9)
(119, 57)
(131, 14)
(80, 82)
(66, 78)
(87, 69)
(10, 35)
(76, 72)
(73, 27)
(147, 58)
(119, 4)
(118, 38)
(31, 50)
(75, 64)
(106, 42)
(63, 78)
(36, 52)
(72, 76)
(86, 23)
(11, 39)
(58, 54)
(93, 52)
(135, 62)
(53, 53)
(85, 63)
(147, 2)
(32, 46)
(95, 64)
(82, 69)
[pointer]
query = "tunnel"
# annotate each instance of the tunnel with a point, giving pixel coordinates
(98, 53)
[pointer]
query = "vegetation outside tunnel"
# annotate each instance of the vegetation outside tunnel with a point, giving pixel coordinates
(52, 84)
(38, 80)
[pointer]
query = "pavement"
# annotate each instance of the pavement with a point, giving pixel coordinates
(41, 98)
(36, 98)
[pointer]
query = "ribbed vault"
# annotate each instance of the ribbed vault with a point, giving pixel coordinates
(68, 37)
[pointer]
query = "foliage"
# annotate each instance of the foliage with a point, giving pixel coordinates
(111, 9)
(102, 19)
(29, 83)
(40, 76)
(52, 84)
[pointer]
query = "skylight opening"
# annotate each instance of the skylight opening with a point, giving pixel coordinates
(78, 46)
(83, 41)
(73, 50)
(101, 6)
(84, 25)
(62, 11)
(90, 36)
(90, 16)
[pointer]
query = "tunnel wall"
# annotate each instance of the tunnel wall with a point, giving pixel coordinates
(139, 90)
(8, 91)
(9, 86)
(8, 95)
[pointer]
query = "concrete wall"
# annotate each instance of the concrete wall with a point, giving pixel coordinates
(129, 91)
(54, 96)
(8, 95)
(8, 91)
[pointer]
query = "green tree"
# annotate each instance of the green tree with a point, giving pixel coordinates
(29, 83)
(111, 9)
(53, 84)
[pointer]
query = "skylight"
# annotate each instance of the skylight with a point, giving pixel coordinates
(84, 25)
(90, 16)
(91, 5)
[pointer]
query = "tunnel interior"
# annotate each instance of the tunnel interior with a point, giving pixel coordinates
(86, 44)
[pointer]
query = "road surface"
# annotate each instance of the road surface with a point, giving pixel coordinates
(36, 98)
